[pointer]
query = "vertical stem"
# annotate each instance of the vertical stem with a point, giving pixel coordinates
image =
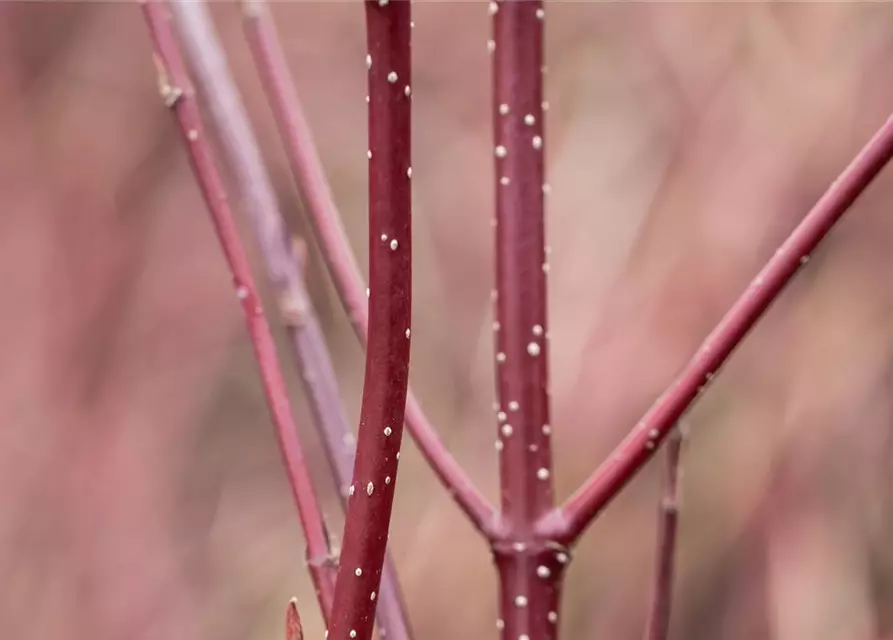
(530, 580)
(293, 628)
(179, 98)
(306, 166)
(658, 624)
(387, 354)
(530, 569)
(242, 153)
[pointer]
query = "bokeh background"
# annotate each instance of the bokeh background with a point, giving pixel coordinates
(141, 493)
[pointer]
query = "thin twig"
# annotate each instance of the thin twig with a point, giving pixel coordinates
(390, 306)
(568, 522)
(658, 623)
(293, 629)
(242, 153)
(179, 98)
(530, 570)
(306, 167)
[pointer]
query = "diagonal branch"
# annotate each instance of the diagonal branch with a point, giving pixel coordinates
(179, 98)
(568, 522)
(242, 153)
(390, 306)
(306, 167)
(658, 624)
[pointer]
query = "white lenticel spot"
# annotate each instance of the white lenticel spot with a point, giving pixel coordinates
(392, 77)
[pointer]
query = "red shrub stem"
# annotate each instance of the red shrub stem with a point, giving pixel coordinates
(390, 304)
(293, 628)
(306, 166)
(530, 568)
(568, 522)
(242, 153)
(658, 622)
(179, 97)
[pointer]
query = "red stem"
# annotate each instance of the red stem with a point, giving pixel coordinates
(390, 303)
(306, 167)
(179, 97)
(284, 267)
(530, 568)
(658, 624)
(293, 629)
(568, 522)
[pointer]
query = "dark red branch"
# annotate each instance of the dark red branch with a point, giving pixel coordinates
(242, 153)
(306, 167)
(530, 569)
(566, 524)
(387, 352)
(658, 623)
(179, 98)
(521, 267)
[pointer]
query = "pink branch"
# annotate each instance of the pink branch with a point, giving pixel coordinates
(530, 569)
(390, 305)
(242, 153)
(178, 96)
(658, 625)
(568, 522)
(307, 169)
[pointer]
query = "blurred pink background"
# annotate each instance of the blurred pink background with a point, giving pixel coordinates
(142, 495)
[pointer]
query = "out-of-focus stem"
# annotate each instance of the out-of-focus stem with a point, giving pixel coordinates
(658, 623)
(179, 98)
(306, 166)
(242, 153)
(530, 568)
(568, 522)
(293, 628)
(390, 305)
